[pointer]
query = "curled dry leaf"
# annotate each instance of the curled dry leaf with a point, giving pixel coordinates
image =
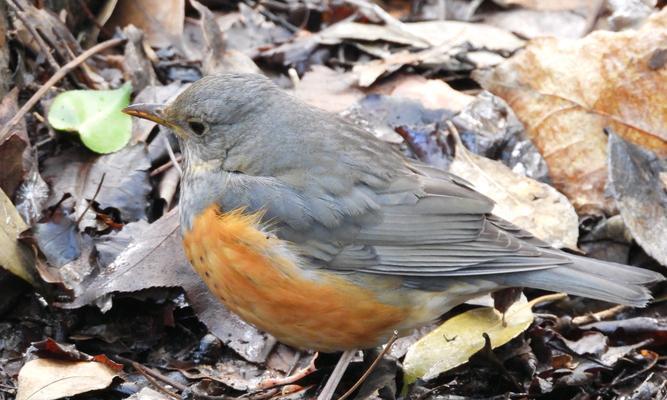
(533, 206)
(439, 42)
(218, 58)
(155, 258)
(13, 146)
(79, 174)
(50, 379)
(425, 34)
(566, 91)
(161, 20)
(137, 67)
(635, 182)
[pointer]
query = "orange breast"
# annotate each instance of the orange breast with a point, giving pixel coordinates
(256, 276)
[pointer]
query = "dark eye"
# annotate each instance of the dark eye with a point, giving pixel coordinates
(197, 127)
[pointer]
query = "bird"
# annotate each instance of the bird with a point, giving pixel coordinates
(312, 229)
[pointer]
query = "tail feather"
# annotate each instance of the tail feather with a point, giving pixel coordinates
(591, 278)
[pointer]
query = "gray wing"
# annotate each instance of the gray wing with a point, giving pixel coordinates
(421, 222)
(442, 228)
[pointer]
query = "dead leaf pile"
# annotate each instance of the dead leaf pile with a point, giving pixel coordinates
(566, 134)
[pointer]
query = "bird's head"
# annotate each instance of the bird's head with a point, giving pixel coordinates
(213, 114)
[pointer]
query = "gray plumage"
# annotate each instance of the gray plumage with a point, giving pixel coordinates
(351, 203)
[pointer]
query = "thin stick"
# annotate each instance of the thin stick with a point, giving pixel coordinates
(140, 369)
(151, 372)
(387, 18)
(647, 368)
(165, 166)
(337, 374)
(599, 316)
(60, 74)
(370, 369)
(97, 191)
(172, 156)
(40, 42)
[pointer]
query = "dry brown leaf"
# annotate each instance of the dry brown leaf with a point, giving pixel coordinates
(436, 39)
(48, 379)
(432, 93)
(161, 20)
(12, 146)
(218, 58)
(567, 91)
(531, 205)
(155, 258)
(635, 181)
(328, 89)
(535, 23)
(425, 34)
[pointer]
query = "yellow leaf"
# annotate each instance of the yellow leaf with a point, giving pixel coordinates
(458, 338)
(14, 257)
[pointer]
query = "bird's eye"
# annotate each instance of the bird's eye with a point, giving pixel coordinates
(197, 127)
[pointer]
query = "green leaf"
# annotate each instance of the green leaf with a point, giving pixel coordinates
(457, 339)
(96, 115)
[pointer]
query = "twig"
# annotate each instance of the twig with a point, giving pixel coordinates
(97, 191)
(40, 42)
(599, 316)
(140, 369)
(630, 377)
(272, 17)
(370, 369)
(337, 374)
(151, 372)
(61, 73)
(172, 156)
(387, 18)
(165, 166)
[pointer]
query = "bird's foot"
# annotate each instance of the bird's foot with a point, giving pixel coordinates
(290, 379)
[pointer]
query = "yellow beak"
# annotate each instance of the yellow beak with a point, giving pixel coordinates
(153, 112)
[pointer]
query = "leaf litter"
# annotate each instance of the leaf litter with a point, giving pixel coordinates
(97, 235)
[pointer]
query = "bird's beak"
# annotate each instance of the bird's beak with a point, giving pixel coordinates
(153, 112)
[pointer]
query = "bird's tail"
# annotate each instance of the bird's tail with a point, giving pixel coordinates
(591, 278)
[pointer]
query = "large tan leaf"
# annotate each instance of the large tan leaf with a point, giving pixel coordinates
(567, 91)
(47, 379)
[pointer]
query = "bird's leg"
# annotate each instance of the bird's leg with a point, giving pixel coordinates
(291, 378)
(370, 369)
(337, 374)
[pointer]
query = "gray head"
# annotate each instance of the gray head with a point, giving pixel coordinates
(214, 113)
